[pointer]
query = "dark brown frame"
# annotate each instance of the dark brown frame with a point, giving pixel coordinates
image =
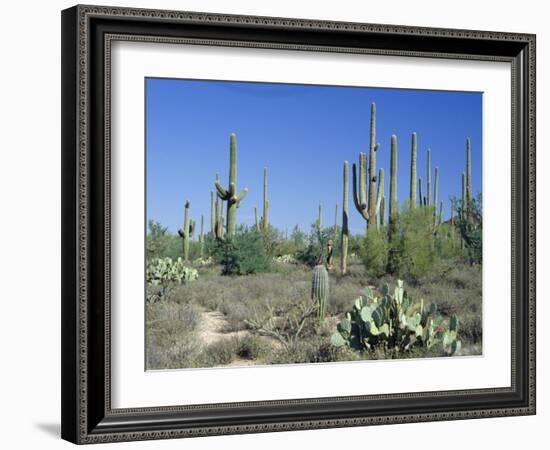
(87, 31)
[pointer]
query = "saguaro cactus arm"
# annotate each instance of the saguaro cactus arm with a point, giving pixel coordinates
(359, 187)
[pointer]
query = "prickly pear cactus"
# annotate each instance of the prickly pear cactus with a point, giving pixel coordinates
(392, 321)
(320, 289)
(164, 271)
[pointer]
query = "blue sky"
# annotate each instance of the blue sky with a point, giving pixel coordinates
(302, 134)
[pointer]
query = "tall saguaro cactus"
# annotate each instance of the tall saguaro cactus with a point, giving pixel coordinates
(412, 194)
(187, 231)
(265, 219)
(230, 194)
(345, 230)
(366, 205)
(393, 180)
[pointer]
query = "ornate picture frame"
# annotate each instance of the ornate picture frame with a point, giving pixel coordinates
(87, 35)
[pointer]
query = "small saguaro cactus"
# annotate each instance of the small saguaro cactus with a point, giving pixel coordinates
(218, 220)
(187, 231)
(320, 219)
(393, 180)
(212, 215)
(320, 289)
(230, 194)
(201, 237)
(256, 221)
(412, 194)
(366, 205)
(345, 230)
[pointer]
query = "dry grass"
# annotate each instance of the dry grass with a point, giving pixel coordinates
(173, 325)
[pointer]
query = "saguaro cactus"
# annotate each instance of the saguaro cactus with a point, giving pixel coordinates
(379, 198)
(420, 203)
(187, 231)
(320, 289)
(212, 215)
(201, 237)
(320, 219)
(366, 206)
(382, 211)
(393, 181)
(412, 194)
(218, 216)
(230, 194)
(345, 230)
(265, 219)
(257, 222)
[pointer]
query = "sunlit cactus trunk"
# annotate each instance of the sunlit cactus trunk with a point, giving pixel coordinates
(212, 215)
(394, 209)
(201, 237)
(372, 168)
(412, 193)
(230, 194)
(345, 230)
(187, 231)
(366, 204)
(420, 192)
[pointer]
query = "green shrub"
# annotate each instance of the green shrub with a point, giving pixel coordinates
(374, 252)
(160, 243)
(316, 249)
(470, 226)
(242, 254)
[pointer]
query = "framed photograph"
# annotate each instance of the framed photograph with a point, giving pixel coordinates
(278, 224)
